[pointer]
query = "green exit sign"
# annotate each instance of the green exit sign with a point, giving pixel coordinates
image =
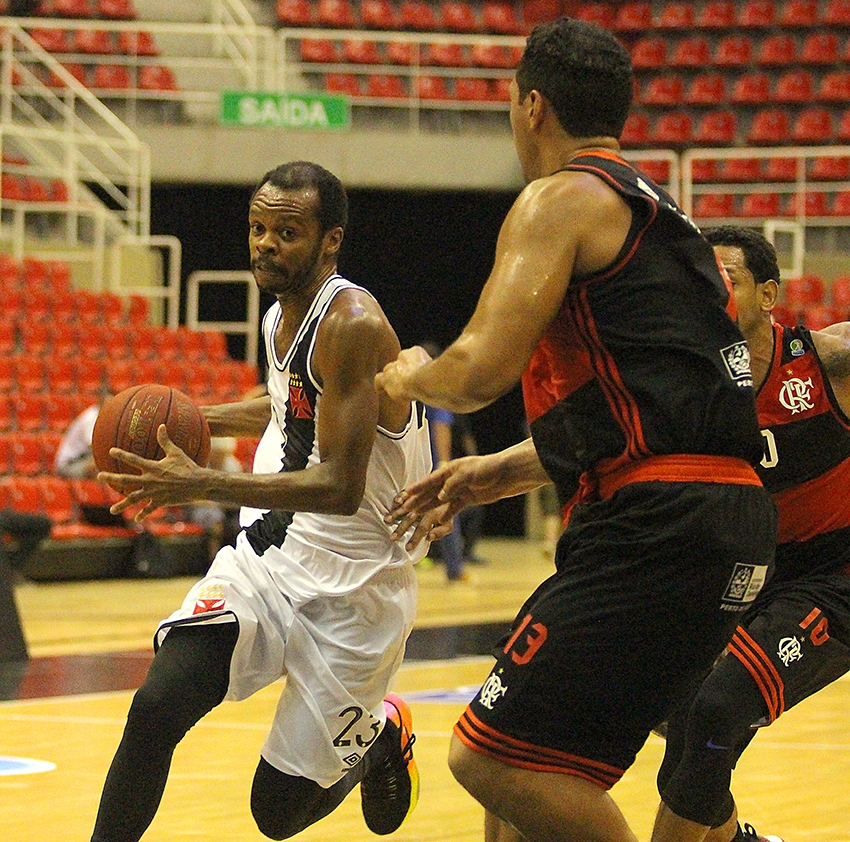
(285, 111)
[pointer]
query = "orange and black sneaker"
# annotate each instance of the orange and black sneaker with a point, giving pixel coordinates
(749, 834)
(390, 789)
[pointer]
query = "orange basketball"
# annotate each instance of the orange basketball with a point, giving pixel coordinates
(130, 419)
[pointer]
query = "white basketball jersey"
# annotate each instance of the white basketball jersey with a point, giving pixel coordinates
(313, 554)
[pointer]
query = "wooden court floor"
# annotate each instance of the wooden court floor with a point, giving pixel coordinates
(790, 782)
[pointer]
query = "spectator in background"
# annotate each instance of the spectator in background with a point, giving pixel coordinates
(472, 518)
(448, 549)
(74, 455)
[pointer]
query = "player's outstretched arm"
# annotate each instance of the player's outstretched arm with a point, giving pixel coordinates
(432, 502)
(242, 418)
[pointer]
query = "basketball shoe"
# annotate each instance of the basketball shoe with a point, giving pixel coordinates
(390, 789)
(748, 834)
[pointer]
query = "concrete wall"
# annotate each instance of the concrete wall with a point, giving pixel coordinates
(361, 158)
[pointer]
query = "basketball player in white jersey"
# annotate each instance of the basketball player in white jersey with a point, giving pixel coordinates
(314, 589)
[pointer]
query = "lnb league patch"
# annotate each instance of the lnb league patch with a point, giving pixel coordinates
(24, 766)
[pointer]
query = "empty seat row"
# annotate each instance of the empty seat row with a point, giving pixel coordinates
(115, 77)
(716, 14)
(107, 9)
(744, 170)
(357, 51)
(32, 273)
(496, 16)
(753, 88)
(774, 50)
(65, 308)
(423, 87)
(25, 188)
(771, 126)
(95, 42)
(768, 205)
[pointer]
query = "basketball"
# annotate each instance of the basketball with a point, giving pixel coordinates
(130, 419)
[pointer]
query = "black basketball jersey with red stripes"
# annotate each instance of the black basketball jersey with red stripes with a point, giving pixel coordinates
(806, 460)
(643, 358)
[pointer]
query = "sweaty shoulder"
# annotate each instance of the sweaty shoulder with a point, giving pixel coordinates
(355, 319)
(583, 207)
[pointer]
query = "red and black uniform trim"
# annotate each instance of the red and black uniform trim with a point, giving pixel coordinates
(598, 391)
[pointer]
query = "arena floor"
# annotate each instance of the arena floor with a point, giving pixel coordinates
(90, 646)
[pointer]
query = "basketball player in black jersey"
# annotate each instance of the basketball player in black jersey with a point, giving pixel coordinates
(795, 639)
(610, 306)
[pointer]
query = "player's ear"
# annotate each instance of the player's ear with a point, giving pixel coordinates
(333, 240)
(768, 294)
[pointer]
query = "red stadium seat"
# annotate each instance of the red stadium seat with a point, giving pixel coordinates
(799, 13)
(156, 77)
(490, 55)
(10, 271)
(741, 170)
(343, 83)
(714, 206)
(840, 205)
(28, 372)
(52, 40)
(752, 88)
(73, 8)
(445, 55)
(664, 90)
(139, 43)
(717, 128)
(634, 17)
(418, 15)
(8, 337)
(116, 9)
(820, 48)
(61, 375)
(431, 88)
(458, 16)
(400, 52)
(111, 77)
(815, 204)
(706, 89)
(602, 14)
(378, 14)
(705, 170)
(840, 293)
(36, 337)
(357, 51)
(93, 42)
(820, 316)
(473, 90)
(297, 12)
(27, 454)
(780, 169)
(835, 87)
(761, 205)
(674, 128)
(320, 50)
(89, 373)
(676, 16)
(830, 169)
(805, 291)
(783, 315)
(777, 50)
(658, 171)
(757, 13)
(336, 13)
(794, 86)
(500, 17)
(7, 417)
(138, 309)
(843, 133)
(837, 13)
(770, 126)
(386, 87)
(30, 412)
(733, 51)
(649, 52)
(813, 125)
(636, 130)
(693, 51)
(717, 14)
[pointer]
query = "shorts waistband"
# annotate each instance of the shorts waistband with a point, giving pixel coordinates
(674, 468)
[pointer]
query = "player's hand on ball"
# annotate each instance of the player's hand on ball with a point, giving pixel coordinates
(172, 480)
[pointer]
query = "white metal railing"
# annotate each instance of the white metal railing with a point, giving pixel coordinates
(203, 58)
(248, 327)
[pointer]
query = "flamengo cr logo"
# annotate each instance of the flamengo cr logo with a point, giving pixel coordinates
(795, 395)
